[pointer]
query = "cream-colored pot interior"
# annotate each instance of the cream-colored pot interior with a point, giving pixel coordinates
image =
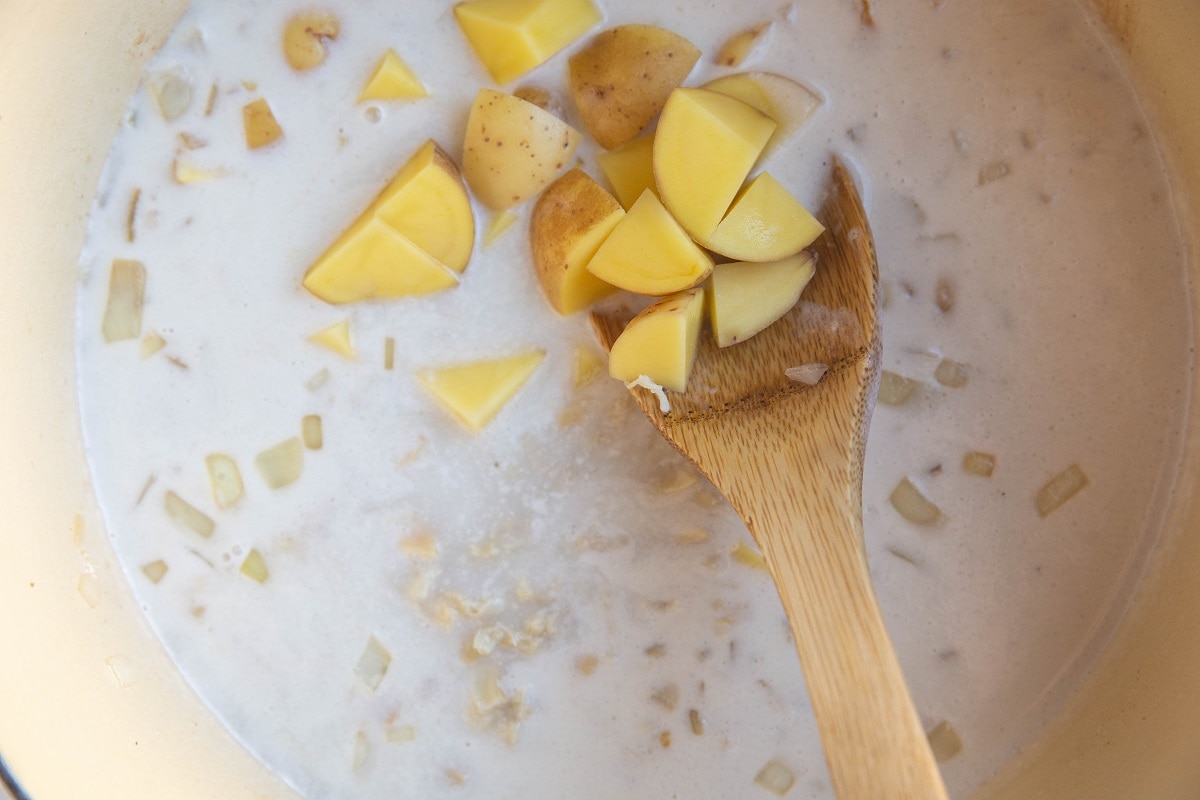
(90, 706)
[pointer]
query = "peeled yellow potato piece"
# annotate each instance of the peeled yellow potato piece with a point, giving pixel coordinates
(371, 260)
(660, 342)
(427, 203)
(513, 149)
(744, 298)
(571, 220)
(261, 127)
(705, 146)
(476, 392)
(622, 78)
(392, 80)
(629, 169)
(648, 253)
(765, 223)
(512, 37)
(789, 103)
(336, 337)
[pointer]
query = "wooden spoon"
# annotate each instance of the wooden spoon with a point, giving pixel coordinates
(789, 458)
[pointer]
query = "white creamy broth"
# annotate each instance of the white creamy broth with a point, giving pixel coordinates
(1006, 158)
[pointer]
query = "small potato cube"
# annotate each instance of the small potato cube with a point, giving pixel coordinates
(392, 80)
(260, 124)
(476, 392)
(511, 37)
(630, 169)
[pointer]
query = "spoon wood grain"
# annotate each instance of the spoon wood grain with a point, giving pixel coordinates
(789, 458)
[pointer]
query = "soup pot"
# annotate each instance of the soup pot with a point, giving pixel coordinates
(91, 706)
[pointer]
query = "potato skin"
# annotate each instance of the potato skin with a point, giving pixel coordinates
(568, 212)
(622, 78)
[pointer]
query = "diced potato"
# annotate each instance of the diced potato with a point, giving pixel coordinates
(304, 38)
(648, 253)
(260, 124)
(907, 499)
(765, 223)
(587, 366)
(513, 149)
(225, 480)
(155, 571)
(789, 103)
(705, 146)
(499, 225)
(745, 298)
(389, 353)
(944, 742)
(372, 261)
(336, 337)
(660, 343)
(511, 37)
(282, 464)
(1061, 488)
(126, 296)
(311, 432)
(570, 222)
(630, 169)
(476, 392)
(186, 173)
(427, 203)
(622, 78)
(254, 567)
(392, 80)
(188, 515)
(738, 47)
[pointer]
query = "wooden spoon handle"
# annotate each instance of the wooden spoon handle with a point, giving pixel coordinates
(874, 743)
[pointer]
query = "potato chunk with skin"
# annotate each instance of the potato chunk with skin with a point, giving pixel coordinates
(745, 298)
(629, 169)
(648, 253)
(260, 125)
(789, 103)
(511, 37)
(622, 78)
(765, 223)
(513, 149)
(476, 392)
(660, 342)
(392, 80)
(304, 38)
(571, 220)
(705, 146)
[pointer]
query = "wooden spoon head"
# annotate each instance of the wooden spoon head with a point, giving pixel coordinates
(835, 323)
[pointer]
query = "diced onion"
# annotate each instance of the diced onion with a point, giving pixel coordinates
(907, 499)
(188, 515)
(1061, 488)
(749, 556)
(666, 696)
(155, 571)
(225, 480)
(172, 93)
(993, 172)
(944, 742)
(943, 296)
(282, 464)
(951, 374)
(696, 721)
(808, 374)
(317, 380)
(126, 295)
(420, 546)
(402, 734)
(586, 664)
(254, 567)
(693, 536)
(894, 389)
(389, 353)
(373, 664)
(151, 344)
(362, 751)
(977, 463)
(775, 778)
(312, 433)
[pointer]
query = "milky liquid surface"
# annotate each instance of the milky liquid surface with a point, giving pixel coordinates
(1006, 159)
